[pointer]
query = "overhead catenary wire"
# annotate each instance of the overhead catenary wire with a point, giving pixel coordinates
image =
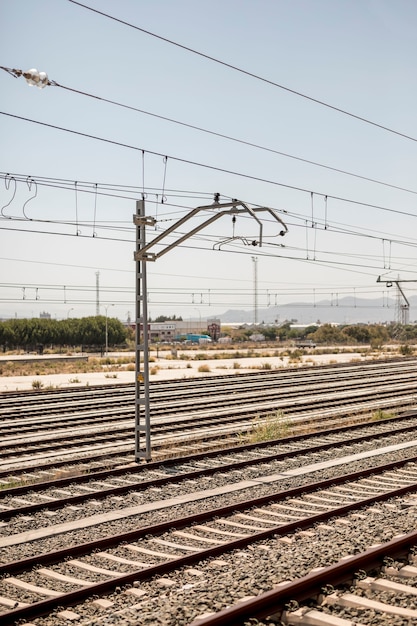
(194, 293)
(384, 208)
(208, 166)
(206, 239)
(260, 252)
(227, 137)
(239, 141)
(90, 188)
(246, 72)
(182, 275)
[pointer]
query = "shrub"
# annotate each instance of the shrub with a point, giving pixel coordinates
(379, 415)
(273, 427)
(406, 350)
(204, 368)
(37, 384)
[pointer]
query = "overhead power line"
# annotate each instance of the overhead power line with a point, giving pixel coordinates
(239, 141)
(207, 166)
(244, 142)
(245, 72)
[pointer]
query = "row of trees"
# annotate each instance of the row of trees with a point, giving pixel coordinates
(88, 332)
(374, 334)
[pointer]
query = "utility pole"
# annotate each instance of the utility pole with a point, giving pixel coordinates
(142, 256)
(97, 293)
(255, 289)
(142, 429)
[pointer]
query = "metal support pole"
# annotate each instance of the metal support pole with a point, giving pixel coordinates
(255, 289)
(106, 337)
(107, 330)
(142, 404)
(142, 256)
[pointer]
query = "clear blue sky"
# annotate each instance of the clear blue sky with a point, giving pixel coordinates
(356, 55)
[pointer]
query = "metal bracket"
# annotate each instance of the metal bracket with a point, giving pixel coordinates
(147, 256)
(144, 221)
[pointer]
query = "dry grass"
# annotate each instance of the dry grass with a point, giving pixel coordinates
(45, 368)
(270, 428)
(127, 363)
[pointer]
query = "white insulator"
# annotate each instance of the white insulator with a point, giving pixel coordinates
(43, 80)
(32, 77)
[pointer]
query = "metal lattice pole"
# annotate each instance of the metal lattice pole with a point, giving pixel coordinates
(142, 256)
(142, 404)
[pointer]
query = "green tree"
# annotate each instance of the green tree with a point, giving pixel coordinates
(168, 318)
(329, 334)
(378, 335)
(29, 334)
(358, 333)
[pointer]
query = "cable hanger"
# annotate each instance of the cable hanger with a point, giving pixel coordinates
(7, 181)
(30, 181)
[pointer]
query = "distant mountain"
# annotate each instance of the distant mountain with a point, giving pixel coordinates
(347, 310)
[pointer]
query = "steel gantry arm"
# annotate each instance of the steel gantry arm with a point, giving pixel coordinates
(142, 255)
(145, 255)
(404, 307)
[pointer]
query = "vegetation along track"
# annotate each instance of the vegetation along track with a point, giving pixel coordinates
(61, 428)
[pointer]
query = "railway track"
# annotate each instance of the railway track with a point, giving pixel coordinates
(122, 564)
(20, 406)
(210, 412)
(51, 495)
(339, 591)
(201, 538)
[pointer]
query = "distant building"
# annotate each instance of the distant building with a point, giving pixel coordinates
(44, 315)
(214, 327)
(257, 337)
(170, 330)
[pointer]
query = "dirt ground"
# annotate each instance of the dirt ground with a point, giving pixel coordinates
(165, 367)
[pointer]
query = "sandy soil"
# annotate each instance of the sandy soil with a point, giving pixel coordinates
(166, 369)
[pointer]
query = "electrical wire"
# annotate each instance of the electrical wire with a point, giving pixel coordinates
(244, 72)
(206, 295)
(207, 166)
(332, 226)
(234, 139)
(227, 137)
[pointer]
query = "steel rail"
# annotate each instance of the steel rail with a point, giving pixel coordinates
(311, 585)
(108, 455)
(84, 548)
(208, 454)
(159, 482)
(188, 386)
(43, 607)
(352, 408)
(240, 402)
(178, 396)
